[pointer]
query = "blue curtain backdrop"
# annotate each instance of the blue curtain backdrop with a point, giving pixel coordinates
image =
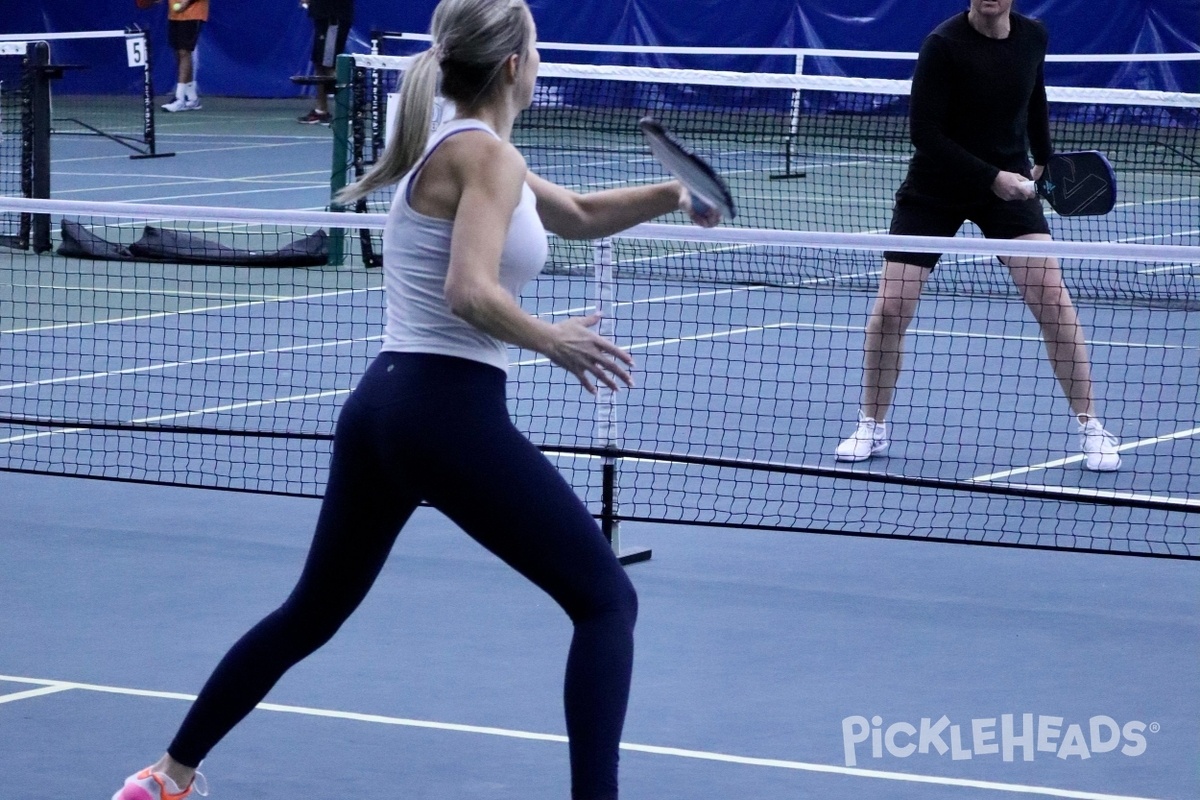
(250, 49)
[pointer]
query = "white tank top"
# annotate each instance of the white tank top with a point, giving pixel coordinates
(416, 258)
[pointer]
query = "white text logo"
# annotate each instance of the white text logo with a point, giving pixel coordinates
(1010, 736)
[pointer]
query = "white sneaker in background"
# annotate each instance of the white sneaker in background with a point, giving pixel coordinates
(869, 439)
(1099, 447)
(180, 104)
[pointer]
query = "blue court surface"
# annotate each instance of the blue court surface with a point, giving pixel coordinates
(769, 665)
(761, 658)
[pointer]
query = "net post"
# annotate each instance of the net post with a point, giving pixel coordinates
(39, 76)
(337, 175)
(148, 131)
(25, 113)
(379, 102)
(359, 157)
(607, 433)
(793, 127)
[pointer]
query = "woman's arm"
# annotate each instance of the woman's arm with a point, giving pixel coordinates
(598, 214)
(492, 176)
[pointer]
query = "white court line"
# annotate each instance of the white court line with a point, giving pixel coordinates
(198, 178)
(295, 137)
(67, 287)
(159, 199)
(231, 148)
(677, 752)
(25, 695)
(182, 181)
(1171, 234)
(1169, 268)
(996, 476)
(165, 365)
(1078, 491)
(242, 406)
(180, 312)
(27, 437)
(195, 227)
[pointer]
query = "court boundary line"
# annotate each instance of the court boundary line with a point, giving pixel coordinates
(302, 298)
(50, 686)
(1167, 437)
(31, 693)
(229, 149)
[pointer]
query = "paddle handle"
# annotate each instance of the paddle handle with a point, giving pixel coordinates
(699, 205)
(1031, 186)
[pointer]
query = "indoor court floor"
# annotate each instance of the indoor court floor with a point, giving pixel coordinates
(769, 665)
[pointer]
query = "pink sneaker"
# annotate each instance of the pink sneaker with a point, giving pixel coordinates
(150, 785)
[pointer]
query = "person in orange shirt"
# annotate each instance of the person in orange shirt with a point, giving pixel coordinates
(184, 20)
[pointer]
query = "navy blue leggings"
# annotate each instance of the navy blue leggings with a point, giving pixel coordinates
(436, 428)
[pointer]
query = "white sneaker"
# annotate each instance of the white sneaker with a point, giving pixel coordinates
(151, 785)
(869, 439)
(179, 104)
(1099, 447)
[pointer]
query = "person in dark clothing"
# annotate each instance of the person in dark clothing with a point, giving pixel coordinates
(429, 421)
(978, 108)
(331, 21)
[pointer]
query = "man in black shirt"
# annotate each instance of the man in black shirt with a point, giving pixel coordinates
(978, 107)
(331, 25)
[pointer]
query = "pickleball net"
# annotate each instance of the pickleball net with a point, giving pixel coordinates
(88, 83)
(800, 152)
(18, 136)
(102, 85)
(186, 346)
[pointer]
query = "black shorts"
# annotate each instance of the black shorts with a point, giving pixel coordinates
(329, 40)
(182, 34)
(916, 214)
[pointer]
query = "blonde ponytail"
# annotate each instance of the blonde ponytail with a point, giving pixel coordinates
(411, 129)
(472, 39)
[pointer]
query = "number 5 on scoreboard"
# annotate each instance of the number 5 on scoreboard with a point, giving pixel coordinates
(135, 51)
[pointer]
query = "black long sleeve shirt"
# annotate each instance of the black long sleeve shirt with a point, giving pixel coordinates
(978, 106)
(341, 10)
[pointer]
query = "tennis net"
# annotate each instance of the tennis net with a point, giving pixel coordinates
(213, 347)
(103, 87)
(842, 142)
(16, 146)
(24, 140)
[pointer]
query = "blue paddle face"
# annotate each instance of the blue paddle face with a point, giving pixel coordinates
(1079, 184)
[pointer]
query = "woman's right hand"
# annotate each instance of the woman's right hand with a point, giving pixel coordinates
(709, 218)
(587, 355)
(1012, 186)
